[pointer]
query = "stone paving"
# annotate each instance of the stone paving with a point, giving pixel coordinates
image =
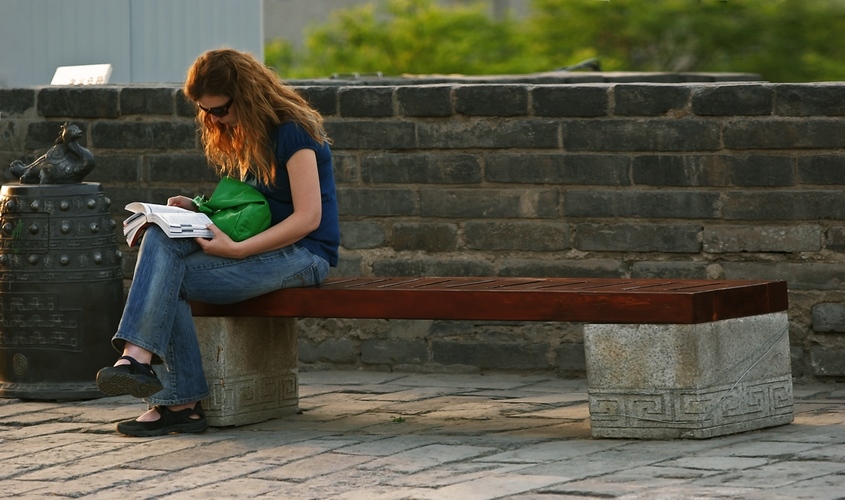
(373, 436)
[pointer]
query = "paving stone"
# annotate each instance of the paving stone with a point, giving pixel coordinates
(280, 455)
(493, 486)
(400, 436)
(774, 475)
(426, 457)
(762, 449)
(319, 465)
(827, 487)
(717, 463)
(235, 488)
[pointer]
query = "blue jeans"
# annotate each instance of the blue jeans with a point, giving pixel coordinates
(169, 273)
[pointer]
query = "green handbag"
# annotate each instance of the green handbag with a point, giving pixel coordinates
(236, 208)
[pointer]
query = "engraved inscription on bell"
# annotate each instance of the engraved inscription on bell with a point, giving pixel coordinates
(61, 289)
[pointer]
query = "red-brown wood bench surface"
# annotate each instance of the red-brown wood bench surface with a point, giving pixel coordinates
(591, 300)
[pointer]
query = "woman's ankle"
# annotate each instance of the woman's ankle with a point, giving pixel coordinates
(140, 355)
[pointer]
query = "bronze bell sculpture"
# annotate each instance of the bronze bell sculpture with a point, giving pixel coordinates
(61, 281)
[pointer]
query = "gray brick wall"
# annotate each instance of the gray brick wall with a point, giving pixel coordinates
(475, 177)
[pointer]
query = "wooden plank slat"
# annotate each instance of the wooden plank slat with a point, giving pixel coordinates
(592, 300)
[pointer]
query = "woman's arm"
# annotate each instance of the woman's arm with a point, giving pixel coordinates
(306, 216)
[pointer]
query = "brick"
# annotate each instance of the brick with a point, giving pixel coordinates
(431, 267)
(514, 236)
(670, 270)
(394, 352)
(491, 100)
(733, 99)
(587, 268)
(115, 168)
(365, 134)
(127, 263)
(347, 168)
(16, 101)
(12, 136)
(146, 101)
(492, 355)
(144, 135)
(809, 133)
(821, 170)
(556, 168)
(362, 234)
(649, 99)
(341, 350)
(377, 202)
(485, 133)
(670, 238)
(786, 205)
(827, 361)
(641, 135)
(570, 359)
(818, 99)
(347, 265)
(428, 237)
(713, 170)
(321, 98)
(370, 102)
(650, 204)
(185, 107)
(799, 275)
(82, 102)
(835, 239)
(43, 135)
(421, 168)
(180, 168)
(829, 317)
(122, 196)
(426, 100)
(537, 203)
(728, 239)
(570, 101)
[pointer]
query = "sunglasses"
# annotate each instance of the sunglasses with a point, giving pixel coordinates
(219, 111)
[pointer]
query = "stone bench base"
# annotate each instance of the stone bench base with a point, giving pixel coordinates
(689, 381)
(251, 367)
(644, 381)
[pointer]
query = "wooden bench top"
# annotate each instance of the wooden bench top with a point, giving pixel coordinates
(589, 300)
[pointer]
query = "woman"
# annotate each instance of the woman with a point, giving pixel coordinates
(257, 129)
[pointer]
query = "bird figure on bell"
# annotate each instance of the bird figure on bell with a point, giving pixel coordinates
(64, 163)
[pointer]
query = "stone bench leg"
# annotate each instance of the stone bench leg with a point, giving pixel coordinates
(251, 368)
(689, 381)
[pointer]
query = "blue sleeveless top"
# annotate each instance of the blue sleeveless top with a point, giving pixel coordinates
(289, 138)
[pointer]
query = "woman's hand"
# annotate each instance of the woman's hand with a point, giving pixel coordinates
(220, 245)
(182, 202)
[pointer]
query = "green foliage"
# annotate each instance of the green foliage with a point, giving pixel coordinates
(409, 36)
(783, 40)
(280, 54)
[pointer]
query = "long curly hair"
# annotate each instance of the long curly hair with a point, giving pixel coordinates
(263, 102)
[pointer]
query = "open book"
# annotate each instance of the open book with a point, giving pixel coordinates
(174, 221)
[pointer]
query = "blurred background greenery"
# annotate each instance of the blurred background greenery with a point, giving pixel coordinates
(782, 40)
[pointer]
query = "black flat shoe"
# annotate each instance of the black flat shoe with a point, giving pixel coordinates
(188, 420)
(137, 379)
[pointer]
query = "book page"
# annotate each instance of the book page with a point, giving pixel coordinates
(176, 222)
(149, 208)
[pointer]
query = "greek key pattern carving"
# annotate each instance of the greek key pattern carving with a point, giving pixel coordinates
(254, 392)
(705, 407)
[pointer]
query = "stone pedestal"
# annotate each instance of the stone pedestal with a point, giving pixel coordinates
(689, 381)
(251, 367)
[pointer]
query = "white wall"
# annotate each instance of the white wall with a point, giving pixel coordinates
(145, 41)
